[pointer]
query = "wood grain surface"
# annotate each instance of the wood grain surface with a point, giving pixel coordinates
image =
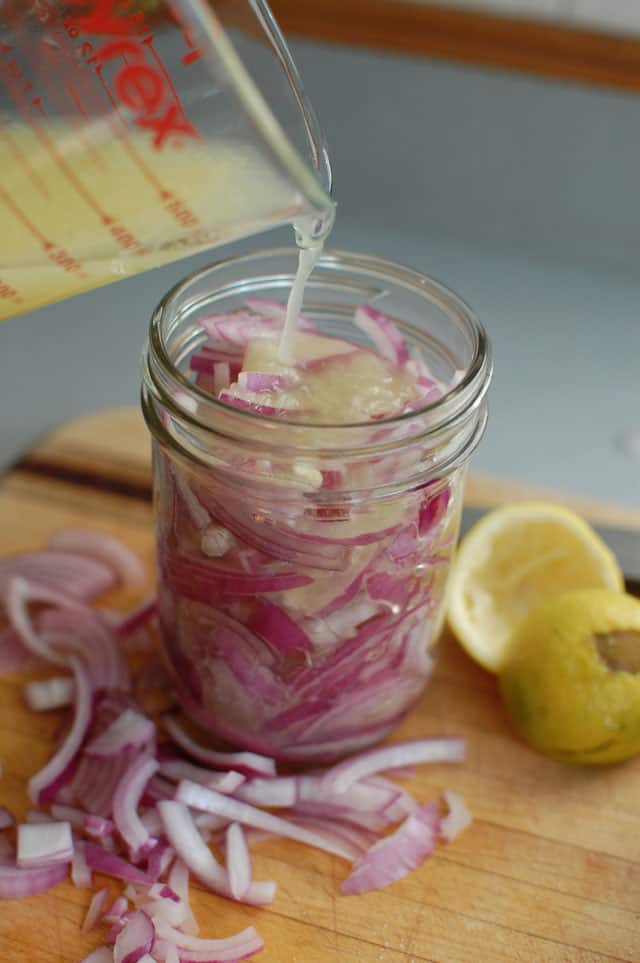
(549, 871)
(534, 46)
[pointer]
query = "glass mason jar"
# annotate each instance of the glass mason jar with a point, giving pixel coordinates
(302, 567)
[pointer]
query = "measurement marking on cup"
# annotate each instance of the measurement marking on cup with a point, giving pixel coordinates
(55, 253)
(9, 293)
(120, 234)
(26, 221)
(23, 160)
(174, 205)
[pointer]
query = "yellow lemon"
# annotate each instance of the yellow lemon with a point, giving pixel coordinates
(571, 677)
(513, 559)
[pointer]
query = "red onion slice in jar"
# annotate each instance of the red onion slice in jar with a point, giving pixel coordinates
(384, 333)
(203, 581)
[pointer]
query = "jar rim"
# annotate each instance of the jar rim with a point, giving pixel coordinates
(161, 374)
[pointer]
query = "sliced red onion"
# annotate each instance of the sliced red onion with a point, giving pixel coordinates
(279, 792)
(277, 627)
(179, 883)
(6, 818)
(117, 910)
(240, 328)
(203, 359)
(394, 856)
(96, 778)
(19, 593)
(160, 859)
(125, 804)
(131, 730)
(267, 307)
(263, 381)
(14, 655)
(208, 800)
(136, 939)
(234, 948)
(226, 782)
(384, 334)
(57, 571)
(433, 510)
(332, 835)
(202, 581)
(103, 548)
(328, 361)
(221, 372)
(98, 826)
(111, 865)
(69, 627)
(17, 883)
(96, 908)
(81, 875)
(40, 845)
(42, 786)
(457, 818)
(256, 407)
(404, 544)
(69, 814)
(138, 619)
(54, 693)
(35, 817)
(183, 834)
(101, 955)
(339, 778)
(247, 763)
(260, 532)
(238, 861)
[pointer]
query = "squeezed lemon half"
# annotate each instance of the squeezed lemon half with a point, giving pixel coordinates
(570, 677)
(511, 561)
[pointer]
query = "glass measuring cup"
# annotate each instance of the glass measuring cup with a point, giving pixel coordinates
(135, 133)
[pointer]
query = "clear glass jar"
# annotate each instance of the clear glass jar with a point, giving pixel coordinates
(302, 568)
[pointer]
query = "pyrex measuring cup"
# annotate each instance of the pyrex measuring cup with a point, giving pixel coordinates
(135, 133)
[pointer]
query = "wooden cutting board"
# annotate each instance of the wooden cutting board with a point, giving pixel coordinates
(549, 872)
